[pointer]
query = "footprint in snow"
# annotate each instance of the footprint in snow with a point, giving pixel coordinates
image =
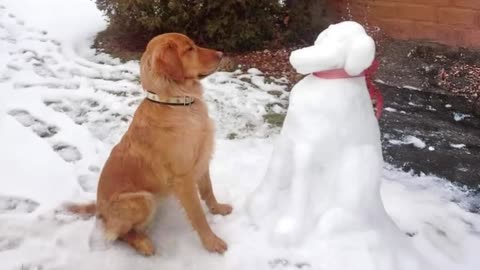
(69, 153)
(4, 78)
(54, 85)
(94, 168)
(34, 30)
(17, 205)
(30, 267)
(78, 110)
(9, 243)
(100, 120)
(88, 182)
(43, 71)
(18, 21)
(38, 126)
(285, 264)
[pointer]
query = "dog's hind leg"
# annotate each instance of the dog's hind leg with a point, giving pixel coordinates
(139, 241)
(127, 216)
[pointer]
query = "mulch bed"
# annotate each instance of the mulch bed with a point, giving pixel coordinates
(273, 63)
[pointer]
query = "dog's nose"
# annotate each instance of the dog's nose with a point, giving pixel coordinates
(219, 54)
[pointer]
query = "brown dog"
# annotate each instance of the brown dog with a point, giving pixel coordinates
(166, 150)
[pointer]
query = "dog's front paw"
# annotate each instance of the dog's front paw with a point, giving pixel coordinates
(288, 231)
(214, 243)
(221, 209)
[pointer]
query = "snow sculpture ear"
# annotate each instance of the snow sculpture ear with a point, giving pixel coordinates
(322, 36)
(360, 55)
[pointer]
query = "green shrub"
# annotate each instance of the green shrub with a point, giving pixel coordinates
(231, 25)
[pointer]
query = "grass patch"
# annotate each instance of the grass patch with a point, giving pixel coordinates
(232, 136)
(275, 93)
(274, 119)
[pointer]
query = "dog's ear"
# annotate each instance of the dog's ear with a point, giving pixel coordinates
(166, 61)
(360, 55)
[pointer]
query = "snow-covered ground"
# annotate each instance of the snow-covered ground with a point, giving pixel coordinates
(62, 107)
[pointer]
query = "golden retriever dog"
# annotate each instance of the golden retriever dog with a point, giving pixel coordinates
(166, 150)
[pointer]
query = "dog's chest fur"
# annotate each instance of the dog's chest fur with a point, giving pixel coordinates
(184, 142)
(161, 147)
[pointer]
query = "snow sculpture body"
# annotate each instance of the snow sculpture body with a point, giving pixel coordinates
(323, 179)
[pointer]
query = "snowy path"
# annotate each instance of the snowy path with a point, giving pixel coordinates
(62, 107)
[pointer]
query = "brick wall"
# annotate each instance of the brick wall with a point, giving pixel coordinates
(452, 22)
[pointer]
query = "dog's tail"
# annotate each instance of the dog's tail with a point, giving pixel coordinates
(88, 209)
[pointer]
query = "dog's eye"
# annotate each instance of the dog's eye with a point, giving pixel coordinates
(190, 49)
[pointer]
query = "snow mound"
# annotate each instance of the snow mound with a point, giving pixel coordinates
(418, 143)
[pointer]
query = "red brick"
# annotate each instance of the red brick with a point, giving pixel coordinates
(359, 12)
(383, 10)
(356, 2)
(473, 39)
(396, 28)
(458, 16)
(426, 2)
(451, 35)
(452, 22)
(404, 11)
(424, 30)
(473, 4)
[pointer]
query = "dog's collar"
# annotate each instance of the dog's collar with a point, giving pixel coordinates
(174, 101)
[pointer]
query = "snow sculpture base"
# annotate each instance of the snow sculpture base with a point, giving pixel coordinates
(324, 175)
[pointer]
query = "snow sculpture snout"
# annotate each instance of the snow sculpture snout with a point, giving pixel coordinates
(344, 45)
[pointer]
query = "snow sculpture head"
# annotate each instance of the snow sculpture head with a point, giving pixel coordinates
(344, 45)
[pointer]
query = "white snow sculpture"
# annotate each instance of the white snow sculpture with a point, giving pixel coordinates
(323, 179)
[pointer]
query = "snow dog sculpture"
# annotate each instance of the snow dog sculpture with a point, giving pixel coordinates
(324, 175)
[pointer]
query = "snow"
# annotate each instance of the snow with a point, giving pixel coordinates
(413, 104)
(411, 87)
(238, 106)
(62, 110)
(457, 145)
(254, 71)
(389, 109)
(418, 143)
(460, 116)
(260, 82)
